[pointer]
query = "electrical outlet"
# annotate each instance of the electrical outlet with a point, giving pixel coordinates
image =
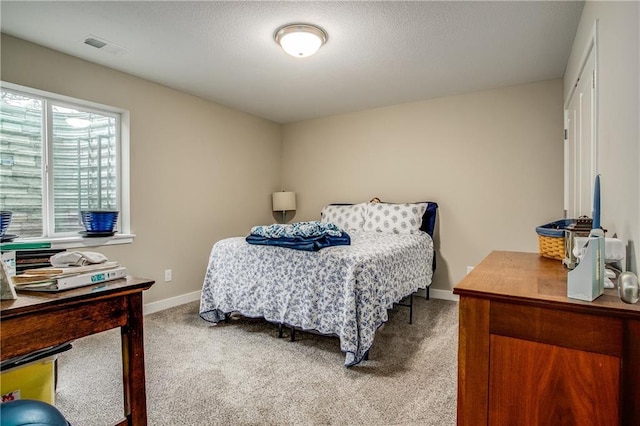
(167, 275)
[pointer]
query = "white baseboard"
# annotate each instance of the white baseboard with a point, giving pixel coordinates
(171, 302)
(443, 294)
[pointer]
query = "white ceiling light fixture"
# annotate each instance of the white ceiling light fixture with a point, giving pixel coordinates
(300, 40)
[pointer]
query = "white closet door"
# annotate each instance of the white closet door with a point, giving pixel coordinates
(582, 142)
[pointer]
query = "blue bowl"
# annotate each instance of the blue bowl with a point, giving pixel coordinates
(5, 220)
(99, 220)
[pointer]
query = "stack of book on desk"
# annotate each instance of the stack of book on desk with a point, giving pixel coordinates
(57, 279)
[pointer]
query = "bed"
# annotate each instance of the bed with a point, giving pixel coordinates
(343, 290)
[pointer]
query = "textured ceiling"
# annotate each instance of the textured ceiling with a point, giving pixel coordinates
(378, 53)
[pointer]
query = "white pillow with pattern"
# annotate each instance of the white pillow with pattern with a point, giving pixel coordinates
(394, 218)
(346, 217)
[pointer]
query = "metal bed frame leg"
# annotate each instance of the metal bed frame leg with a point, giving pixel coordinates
(426, 294)
(408, 305)
(281, 329)
(411, 309)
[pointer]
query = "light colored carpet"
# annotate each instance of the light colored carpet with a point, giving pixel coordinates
(240, 373)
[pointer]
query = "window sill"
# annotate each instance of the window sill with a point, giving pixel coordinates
(80, 242)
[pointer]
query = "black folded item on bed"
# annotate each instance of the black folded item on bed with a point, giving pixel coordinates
(302, 243)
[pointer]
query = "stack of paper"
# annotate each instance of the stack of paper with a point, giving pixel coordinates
(56, 279)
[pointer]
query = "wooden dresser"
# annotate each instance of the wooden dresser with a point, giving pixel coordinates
(528, 355)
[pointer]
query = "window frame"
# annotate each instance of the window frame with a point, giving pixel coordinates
(122, 116)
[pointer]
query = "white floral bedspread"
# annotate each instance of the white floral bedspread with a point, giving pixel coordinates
(342, 290)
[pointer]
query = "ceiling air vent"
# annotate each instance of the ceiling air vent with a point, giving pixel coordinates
(104, 45)
(95, 42)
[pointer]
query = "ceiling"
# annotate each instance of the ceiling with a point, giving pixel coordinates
(378, 53)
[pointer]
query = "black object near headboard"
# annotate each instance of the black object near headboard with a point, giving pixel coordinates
(429, 218)
(429, 224)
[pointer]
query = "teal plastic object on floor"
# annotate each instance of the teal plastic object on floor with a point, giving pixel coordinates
(27, 412)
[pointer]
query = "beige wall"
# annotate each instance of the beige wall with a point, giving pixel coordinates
(199, 171)
(492, 160)
(619, 112)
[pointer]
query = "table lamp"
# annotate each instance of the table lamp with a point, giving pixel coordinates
(282, 202)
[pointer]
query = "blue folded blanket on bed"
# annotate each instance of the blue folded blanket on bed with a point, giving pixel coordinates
(309, 236)
(308, 244)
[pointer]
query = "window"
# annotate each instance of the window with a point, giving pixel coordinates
(58, 156)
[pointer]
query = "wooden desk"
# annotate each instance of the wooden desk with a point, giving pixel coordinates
(528, 355)
(39, 320)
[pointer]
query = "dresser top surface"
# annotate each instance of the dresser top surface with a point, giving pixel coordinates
(531, 278)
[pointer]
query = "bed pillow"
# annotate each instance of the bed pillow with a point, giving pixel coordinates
(394, 218)
(346, 216)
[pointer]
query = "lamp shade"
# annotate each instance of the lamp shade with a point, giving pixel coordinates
(283, 201)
